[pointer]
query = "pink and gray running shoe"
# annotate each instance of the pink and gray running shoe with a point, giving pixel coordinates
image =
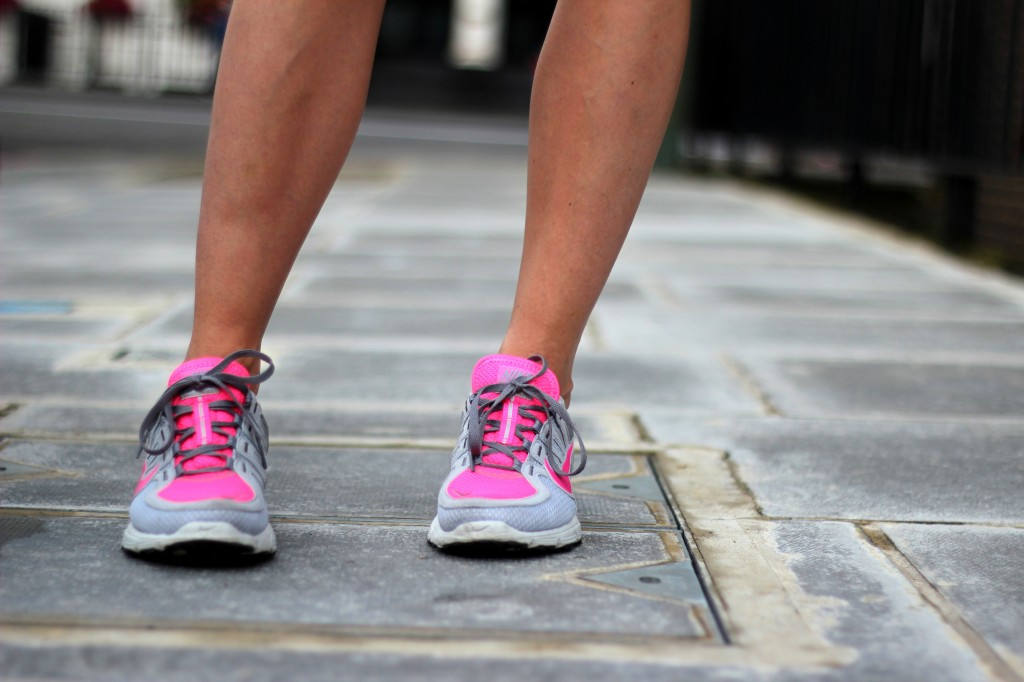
(509, 482)
(205, 444)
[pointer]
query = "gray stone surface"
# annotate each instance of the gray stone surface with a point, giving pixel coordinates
(866, 334)
(58, 282)
(889, 388)
(473, 293)
(937, 302)
(341, 575)
(865, 605)
(898, 375)
(979, 569)
(48, 327)
(667, 253)
(129, 664)
(305, 482)
(808, 277)
(912, 471)
(414, 244)
(624, 381)
(627, 328)
(484, 326)
(68, 371)
(372, 263)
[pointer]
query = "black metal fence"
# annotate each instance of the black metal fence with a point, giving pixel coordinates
(939, 83)
(938, 79)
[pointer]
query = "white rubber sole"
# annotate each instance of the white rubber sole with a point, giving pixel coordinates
(500, 532)
(221, 532)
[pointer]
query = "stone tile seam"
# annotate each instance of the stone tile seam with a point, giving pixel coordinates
(967, 314)
(742, 486)
(995, 664)
(715, 603)
(580, 579)
(506, 645)
(8, 409)
(750, 384)
(908, 522)
(376, 301)
(239, 629)
(139, 321)
(161, 315)
(852, 354)
(313, 520)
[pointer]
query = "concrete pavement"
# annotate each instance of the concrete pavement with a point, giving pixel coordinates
(807, 437)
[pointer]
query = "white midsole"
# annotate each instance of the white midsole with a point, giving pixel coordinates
(135, 540)
(499, 531)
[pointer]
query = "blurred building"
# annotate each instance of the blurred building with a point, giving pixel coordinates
(172, 46)
(141, 46)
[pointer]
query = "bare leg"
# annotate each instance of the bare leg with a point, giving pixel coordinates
(604, 89)
(290, 92)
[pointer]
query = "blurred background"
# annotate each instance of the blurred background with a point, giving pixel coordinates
(911, 112)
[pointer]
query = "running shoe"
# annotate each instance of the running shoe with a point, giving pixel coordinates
(204, 446)
(509, 481)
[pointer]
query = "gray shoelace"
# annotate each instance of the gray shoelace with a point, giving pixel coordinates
(217, 378)
(547, 411)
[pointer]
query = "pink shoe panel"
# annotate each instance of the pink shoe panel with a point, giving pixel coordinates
(217, 485)
(491, 484)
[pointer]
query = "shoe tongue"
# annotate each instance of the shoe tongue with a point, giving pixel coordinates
(203, 365)
(202, 416)
(500, 369)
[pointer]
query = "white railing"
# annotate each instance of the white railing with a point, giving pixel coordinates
(151, 52)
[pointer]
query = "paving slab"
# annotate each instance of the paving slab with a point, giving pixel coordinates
(410, 244)
(68, 370)
(860, 388)
(348, 576)
(626, 328)
(16, 327)
(867, 334)
(62, 282)
(314, 482)
(370, 262)
(948, 303)
(674, 254)
(899, 470)
(697, 383)
(866, 605)
(483, 326)
(474, 292)
(977, 568)
(808, 277)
